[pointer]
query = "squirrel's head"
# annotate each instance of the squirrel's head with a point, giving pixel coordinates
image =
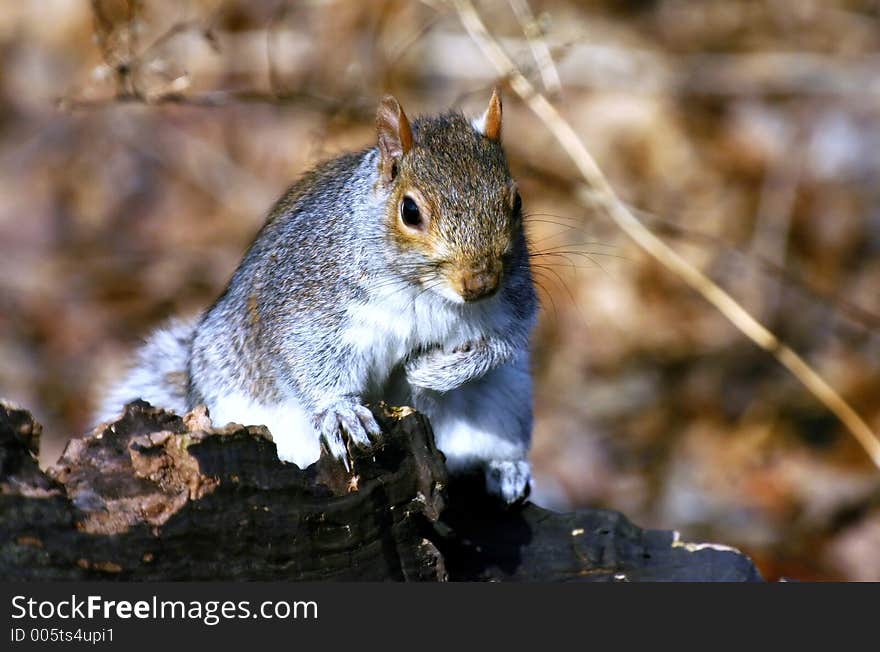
(453, 213)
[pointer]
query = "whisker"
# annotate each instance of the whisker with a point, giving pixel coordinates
(547, 295)
(578, 222)
(544, 269)
(581, 244)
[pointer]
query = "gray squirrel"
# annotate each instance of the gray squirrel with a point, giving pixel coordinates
(399, 273)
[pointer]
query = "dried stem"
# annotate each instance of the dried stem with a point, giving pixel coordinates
(607, 200)
(540, 50)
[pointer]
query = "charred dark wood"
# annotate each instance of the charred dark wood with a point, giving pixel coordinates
(155, 496)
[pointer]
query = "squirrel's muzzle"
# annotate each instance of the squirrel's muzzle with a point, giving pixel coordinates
(476, 284)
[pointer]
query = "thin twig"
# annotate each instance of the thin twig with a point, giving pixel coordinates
(773, 221)
(608, 201)
(404, 47)
(856, 313)
(280, 14)
(163, 39)
(540, 50)
(350, 107)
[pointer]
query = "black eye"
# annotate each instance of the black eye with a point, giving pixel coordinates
(409, 213)
(517, 204)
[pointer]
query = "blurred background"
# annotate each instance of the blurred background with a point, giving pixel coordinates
(142, 142)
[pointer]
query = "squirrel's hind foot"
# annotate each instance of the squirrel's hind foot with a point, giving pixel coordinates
(347, 420)
(510, 480)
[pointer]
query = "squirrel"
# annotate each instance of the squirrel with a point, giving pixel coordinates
(399, 273)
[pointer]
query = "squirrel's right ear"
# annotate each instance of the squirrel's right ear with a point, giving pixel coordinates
(489, 124)
(395, 136)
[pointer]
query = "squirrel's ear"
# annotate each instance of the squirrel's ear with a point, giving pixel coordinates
(395, 135)
(489, 124)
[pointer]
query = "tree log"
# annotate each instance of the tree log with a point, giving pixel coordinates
(155, 496)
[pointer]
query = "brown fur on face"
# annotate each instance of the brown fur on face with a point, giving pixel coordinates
(460, 180)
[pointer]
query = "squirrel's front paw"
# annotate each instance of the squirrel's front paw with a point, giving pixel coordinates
(346, 418)
(437, 370)
(508, 479)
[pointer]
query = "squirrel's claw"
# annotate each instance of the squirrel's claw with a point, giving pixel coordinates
(368, 421)
(331, 439)
(349, 420)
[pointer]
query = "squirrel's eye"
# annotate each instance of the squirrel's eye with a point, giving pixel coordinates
(409, 213)
(517, 204)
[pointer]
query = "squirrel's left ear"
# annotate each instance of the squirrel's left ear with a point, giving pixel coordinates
(489, 124)
(395, 135)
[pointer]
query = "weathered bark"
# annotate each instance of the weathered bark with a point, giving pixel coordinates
(157, 497)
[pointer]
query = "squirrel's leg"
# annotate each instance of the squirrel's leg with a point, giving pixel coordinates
(287, 421)
(298, 432)
(487, 423)
(328, 414)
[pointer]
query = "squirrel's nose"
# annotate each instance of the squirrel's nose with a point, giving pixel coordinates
(476, 284)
